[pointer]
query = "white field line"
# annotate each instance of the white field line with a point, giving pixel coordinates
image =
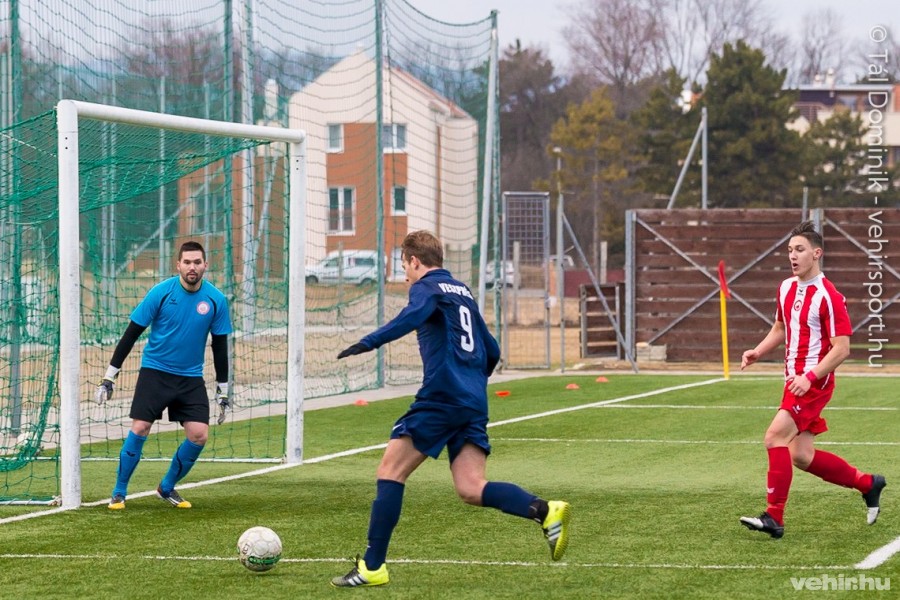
(658, 441)
(603, 403)
(880, 556)
(873, 560)
(489, 563)
(353, 451)
(727, 407)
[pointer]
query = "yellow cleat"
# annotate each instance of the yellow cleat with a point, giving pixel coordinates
(556, 528)
(117, 502)
(360, 576)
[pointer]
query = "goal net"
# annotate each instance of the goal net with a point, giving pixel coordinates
(96, 201)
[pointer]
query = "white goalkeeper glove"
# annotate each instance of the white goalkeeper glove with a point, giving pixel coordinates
(222, 400)
(106, 385)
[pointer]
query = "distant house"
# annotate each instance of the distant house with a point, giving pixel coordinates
(430, 154)
(877, 104)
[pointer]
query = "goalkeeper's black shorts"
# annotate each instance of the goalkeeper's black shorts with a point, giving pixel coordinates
(184, 397)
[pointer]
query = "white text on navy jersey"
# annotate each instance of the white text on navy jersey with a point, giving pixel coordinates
(455, 289)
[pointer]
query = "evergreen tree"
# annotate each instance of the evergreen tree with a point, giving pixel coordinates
(835, 155)
(754, 160)
(665, 127)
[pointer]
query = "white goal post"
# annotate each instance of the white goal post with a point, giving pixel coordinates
(69, 112)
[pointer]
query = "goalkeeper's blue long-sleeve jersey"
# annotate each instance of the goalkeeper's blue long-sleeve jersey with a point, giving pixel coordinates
(458, 352)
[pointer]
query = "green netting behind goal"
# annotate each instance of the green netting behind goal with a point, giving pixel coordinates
(143, 191)
(303, 64)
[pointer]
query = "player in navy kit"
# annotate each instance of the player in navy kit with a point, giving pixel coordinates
(181, 312)
(450, 410)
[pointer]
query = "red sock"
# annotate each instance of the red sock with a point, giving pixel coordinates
(781, 472)
(834, 469)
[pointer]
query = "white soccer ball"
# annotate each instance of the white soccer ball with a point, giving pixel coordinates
(259, 549)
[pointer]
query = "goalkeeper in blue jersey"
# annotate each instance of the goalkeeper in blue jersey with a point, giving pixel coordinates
(450, 410)
(181, 312)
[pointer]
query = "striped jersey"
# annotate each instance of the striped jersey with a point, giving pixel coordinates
(813, 312)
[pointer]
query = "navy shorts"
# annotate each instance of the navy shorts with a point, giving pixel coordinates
(184, 397)
(433, 425)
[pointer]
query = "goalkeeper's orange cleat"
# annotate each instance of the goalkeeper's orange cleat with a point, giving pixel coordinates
(173, 498)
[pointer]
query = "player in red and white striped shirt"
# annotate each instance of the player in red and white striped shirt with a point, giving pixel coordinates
(812, 321)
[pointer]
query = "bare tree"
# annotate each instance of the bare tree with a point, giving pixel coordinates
(621, 42)
(696, 29)
(532, 98)
(822, 46)
(616, 42)
(779, 50)
(877, 58)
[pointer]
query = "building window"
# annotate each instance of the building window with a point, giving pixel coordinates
(393, 137)
(399, 200)
(335, 138)
(340, 209)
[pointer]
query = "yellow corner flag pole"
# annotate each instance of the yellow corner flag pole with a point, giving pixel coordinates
(723, 316)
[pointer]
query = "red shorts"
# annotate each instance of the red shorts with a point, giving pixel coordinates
(805, 409)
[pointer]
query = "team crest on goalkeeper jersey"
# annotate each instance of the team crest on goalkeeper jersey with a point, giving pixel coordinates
(202, 307)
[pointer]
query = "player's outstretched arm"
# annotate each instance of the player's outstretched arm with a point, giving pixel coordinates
(357, 348)
(422, 304)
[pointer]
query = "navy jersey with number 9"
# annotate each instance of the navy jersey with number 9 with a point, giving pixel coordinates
(458, 352)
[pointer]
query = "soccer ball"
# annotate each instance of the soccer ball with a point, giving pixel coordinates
(259, 549)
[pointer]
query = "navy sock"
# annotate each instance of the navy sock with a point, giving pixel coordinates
(509, 498)
(129, 456)
(385, 516)
(182, 461)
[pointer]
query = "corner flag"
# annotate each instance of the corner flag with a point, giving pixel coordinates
(723, 316)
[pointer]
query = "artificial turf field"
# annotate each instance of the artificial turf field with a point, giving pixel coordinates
(657, 468)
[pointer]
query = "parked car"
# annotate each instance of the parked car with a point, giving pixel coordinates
(508, 277)
(345, 266)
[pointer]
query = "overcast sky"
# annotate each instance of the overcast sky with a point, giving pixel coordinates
(540, 22)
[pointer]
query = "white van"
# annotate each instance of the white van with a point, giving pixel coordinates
(345, 266)
(509, 277)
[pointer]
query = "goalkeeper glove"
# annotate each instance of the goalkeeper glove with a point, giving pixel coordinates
(106, 385)
(222, 400)
(357, 348)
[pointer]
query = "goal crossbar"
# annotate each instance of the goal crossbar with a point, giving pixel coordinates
(69, 113)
